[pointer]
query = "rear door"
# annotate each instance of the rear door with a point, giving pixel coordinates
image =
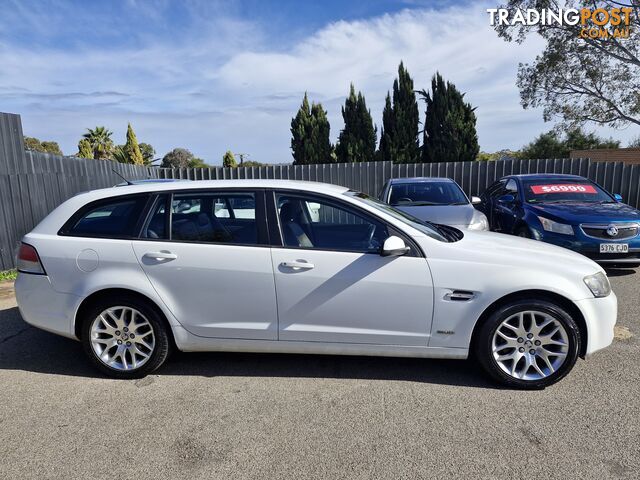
(332, 284)
(210, 263)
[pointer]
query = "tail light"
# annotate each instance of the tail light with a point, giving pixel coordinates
(29, 260)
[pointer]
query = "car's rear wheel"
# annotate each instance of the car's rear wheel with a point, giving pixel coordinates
(528, 344)
(124, 337)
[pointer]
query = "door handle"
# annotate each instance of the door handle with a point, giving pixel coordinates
(298, 265)
(163, 255)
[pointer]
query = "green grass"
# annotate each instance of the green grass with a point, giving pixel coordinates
(8, 275)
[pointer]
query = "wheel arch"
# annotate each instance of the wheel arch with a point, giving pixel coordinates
(109, 292)
(553, 297)
(521, 223)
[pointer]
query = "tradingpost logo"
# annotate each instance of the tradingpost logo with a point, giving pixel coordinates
(594, 22)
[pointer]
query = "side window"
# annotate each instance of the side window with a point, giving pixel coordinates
(156, 226)
(512, 186)
(239, 206)
(497, 189)
(116, 217)
(214, 218)
(323, 225)
(487, 192)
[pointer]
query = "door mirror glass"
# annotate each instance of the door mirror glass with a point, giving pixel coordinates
(476, 200)
(618, 197)
(506, 199)
(394, 247)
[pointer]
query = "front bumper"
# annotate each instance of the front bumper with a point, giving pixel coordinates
(43, 307)
(590, 247)
(600, 316)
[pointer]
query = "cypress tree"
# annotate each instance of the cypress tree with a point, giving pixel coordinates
(84, 149)
(450, 124)
(357, 141)
(322, 150)
(229, 160)
(310, 130)
(399, 141)
(131, 148)
(388, 127)
(301, 128)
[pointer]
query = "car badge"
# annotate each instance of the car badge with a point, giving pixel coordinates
(612, 230)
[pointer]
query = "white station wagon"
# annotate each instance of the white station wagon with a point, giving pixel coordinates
(282, 266)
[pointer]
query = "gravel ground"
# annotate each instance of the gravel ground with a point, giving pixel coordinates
(277, 416)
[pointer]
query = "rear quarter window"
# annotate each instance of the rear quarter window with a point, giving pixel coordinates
(114, 217)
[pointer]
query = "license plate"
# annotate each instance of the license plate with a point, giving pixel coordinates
(614, 248)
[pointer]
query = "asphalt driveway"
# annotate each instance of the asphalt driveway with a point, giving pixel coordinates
(275, 416)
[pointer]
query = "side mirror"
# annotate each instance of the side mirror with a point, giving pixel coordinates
(618, 197)
(394, 247)
(506, 199)
(475, 200)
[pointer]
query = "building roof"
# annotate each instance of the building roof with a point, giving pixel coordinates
(626, 155)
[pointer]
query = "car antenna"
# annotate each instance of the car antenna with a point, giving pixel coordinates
(129, 182)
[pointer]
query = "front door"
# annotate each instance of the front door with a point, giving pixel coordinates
(206, 255)
(333, 286)
(505, 214)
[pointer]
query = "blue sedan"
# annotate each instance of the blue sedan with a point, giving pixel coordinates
(566, 210)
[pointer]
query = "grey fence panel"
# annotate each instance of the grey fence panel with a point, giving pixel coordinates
(473, 177)
(32, 183)
(8, 231)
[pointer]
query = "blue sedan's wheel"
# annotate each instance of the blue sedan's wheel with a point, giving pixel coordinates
(524, 232)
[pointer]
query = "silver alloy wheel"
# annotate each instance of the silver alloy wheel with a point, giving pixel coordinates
(530, 345)
(122, 338)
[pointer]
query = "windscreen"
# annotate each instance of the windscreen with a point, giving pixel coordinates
(427, 228)
(563, 190)
(427, 193)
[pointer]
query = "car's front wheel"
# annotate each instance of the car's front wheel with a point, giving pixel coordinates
(528, 344)
(524, 232)
(124, 337)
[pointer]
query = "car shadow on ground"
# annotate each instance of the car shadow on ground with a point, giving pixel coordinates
(26, 348)
(619, 272)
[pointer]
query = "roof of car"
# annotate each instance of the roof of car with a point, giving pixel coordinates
(204, 184)
(546, 176)
(151, 180)
(419, 180)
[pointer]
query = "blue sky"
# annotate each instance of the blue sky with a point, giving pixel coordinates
(217, 75)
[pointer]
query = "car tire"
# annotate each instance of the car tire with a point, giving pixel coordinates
(539, 356)
(524, 232)
(124, 337)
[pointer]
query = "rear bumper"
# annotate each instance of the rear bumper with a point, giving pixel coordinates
(600, 315)
(43, 307)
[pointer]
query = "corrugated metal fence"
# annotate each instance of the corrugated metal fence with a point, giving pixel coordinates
(473, 177)
(32, 184)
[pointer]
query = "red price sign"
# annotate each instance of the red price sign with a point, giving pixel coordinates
(563, 188)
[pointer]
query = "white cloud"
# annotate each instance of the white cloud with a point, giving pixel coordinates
(221, 85)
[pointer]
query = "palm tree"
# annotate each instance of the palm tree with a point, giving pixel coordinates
(119, 154)
(100, 140)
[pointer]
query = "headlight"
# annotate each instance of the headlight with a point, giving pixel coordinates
(599, 284)
(555, 227)
(479, 221)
